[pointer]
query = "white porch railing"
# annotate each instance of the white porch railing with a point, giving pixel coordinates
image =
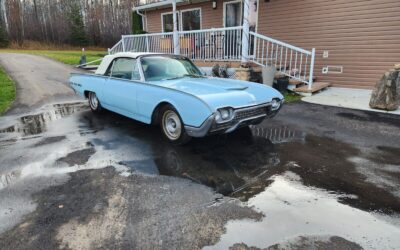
(225, 44)
(295, 62)
(118, 47)
(222, 44)
(154, 42)
(206, 45)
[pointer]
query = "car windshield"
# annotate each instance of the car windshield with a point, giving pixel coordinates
(156, 68)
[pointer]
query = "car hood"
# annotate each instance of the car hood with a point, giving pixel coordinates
(220, 92)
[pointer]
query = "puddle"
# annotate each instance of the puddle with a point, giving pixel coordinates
(279, 134)
(37, 123)
(292, 209)
(9, 178)
(282, 171)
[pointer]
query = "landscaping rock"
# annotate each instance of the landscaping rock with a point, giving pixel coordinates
(386, 94)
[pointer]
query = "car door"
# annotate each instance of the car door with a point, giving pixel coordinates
(121, 87)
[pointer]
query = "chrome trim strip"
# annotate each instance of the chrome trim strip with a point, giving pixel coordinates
(203, 129)
(236, 110)
(244, 120)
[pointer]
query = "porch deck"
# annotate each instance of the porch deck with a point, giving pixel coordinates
(227, 45)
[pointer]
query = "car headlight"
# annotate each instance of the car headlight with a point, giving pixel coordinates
(275, 104)
(224, 115)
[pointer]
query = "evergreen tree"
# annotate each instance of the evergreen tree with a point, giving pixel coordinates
(137, 24)
(78, 35)
(4, 42)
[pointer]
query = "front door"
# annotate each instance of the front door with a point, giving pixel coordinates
(232, 38)
(121, 89)
(233, 16)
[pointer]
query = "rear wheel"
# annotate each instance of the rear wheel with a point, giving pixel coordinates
(94, 103)
(172, 126)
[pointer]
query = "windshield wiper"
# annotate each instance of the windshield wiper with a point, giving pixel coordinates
(185, 75)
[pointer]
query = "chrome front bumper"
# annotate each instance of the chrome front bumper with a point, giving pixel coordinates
(242, 117)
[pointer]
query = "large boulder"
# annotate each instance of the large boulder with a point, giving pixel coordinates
(386, 94)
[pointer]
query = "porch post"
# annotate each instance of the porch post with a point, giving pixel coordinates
(245, 36)
(175, 33)
(310, 81)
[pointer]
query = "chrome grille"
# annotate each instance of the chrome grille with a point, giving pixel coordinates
(242, 114)
(249, 112)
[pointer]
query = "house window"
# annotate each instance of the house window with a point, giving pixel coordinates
(168, 21)
(191, 19)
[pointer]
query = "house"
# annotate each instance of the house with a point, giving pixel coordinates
(355, 41)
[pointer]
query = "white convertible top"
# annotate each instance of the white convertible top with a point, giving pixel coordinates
(101, 70)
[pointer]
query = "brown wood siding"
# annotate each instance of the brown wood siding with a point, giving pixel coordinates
(362, 36)
(210, 18)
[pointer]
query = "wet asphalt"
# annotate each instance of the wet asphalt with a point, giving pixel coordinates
(39, 80)
(314, 177)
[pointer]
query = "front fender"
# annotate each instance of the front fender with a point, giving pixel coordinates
(192, 109)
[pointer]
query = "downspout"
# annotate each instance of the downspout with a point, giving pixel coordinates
(144, 17)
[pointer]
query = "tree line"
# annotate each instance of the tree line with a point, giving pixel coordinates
(75, 22)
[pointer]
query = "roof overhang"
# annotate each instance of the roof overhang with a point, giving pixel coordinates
(164, 4)
(155, 5)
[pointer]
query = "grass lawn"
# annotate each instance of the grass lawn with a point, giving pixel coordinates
(7, 91)
(71, 57)
(291, 97)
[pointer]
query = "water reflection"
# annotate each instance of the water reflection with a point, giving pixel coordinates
(37, 123)
(235, 165)
(7, 179)
(279, 134)
(238, 164)
(292, 209)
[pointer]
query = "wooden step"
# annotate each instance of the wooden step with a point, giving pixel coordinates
(317, 86)
(295, 82)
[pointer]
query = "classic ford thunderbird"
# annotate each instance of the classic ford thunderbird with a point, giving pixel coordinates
(171, 91)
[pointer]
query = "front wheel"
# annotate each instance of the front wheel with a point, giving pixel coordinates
(94, 103)
(172, 126)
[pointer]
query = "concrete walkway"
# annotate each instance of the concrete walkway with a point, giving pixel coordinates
(346, 98)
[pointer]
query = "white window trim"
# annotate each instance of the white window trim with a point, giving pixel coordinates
(224, 11)
(167, 13)
(186, 10)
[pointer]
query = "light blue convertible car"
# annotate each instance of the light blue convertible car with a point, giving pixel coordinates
(171, 91)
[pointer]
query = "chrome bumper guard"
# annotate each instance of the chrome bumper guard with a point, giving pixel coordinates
(242, 117)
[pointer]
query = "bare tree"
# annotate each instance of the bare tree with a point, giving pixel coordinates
(104, 21)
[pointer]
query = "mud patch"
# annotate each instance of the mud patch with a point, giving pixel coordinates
(385, 155)
(50, 140)
(101, 209)
(78, 157)
(371, 117)
(326, 163)
(80, 199)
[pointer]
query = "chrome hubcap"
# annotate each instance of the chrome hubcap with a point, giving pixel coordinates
(172, 125)
(93, 101)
